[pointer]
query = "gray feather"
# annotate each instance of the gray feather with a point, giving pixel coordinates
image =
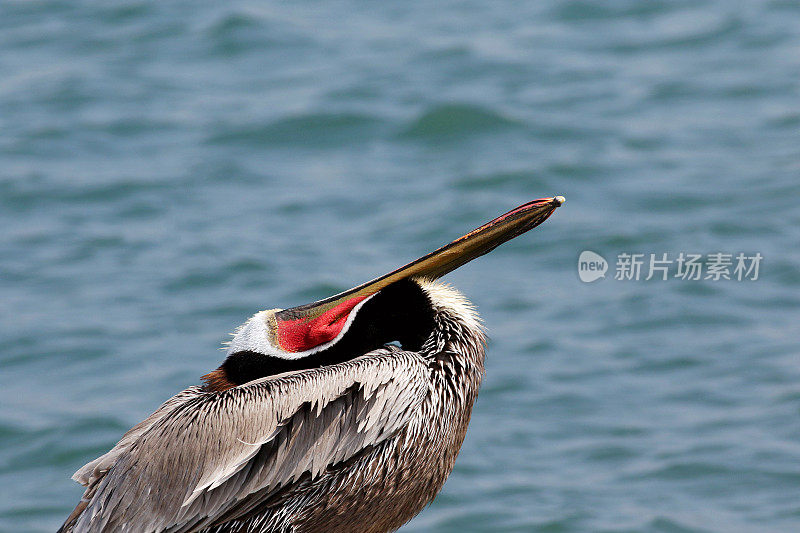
(201, 453)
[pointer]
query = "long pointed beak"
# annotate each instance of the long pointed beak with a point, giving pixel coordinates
(437, 263)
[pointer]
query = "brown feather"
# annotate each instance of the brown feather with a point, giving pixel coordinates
(216, 381)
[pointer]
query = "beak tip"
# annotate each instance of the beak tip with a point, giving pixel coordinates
(558, 200)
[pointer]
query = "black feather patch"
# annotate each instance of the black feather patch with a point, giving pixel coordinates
(401, 312)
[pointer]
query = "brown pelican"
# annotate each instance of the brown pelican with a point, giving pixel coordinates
(315, 421)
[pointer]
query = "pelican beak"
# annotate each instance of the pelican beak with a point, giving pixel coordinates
(320, 322)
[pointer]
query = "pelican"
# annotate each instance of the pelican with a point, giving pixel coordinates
(340, 415)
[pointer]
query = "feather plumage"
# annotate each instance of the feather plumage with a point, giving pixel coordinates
(205, 452)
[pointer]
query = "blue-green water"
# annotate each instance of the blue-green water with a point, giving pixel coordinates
(168, 168)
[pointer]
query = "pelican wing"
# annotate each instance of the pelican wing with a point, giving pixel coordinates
(203, 456)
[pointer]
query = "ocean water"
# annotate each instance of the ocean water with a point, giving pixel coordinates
(169, 168)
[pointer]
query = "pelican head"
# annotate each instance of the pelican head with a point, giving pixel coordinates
(395, 307)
